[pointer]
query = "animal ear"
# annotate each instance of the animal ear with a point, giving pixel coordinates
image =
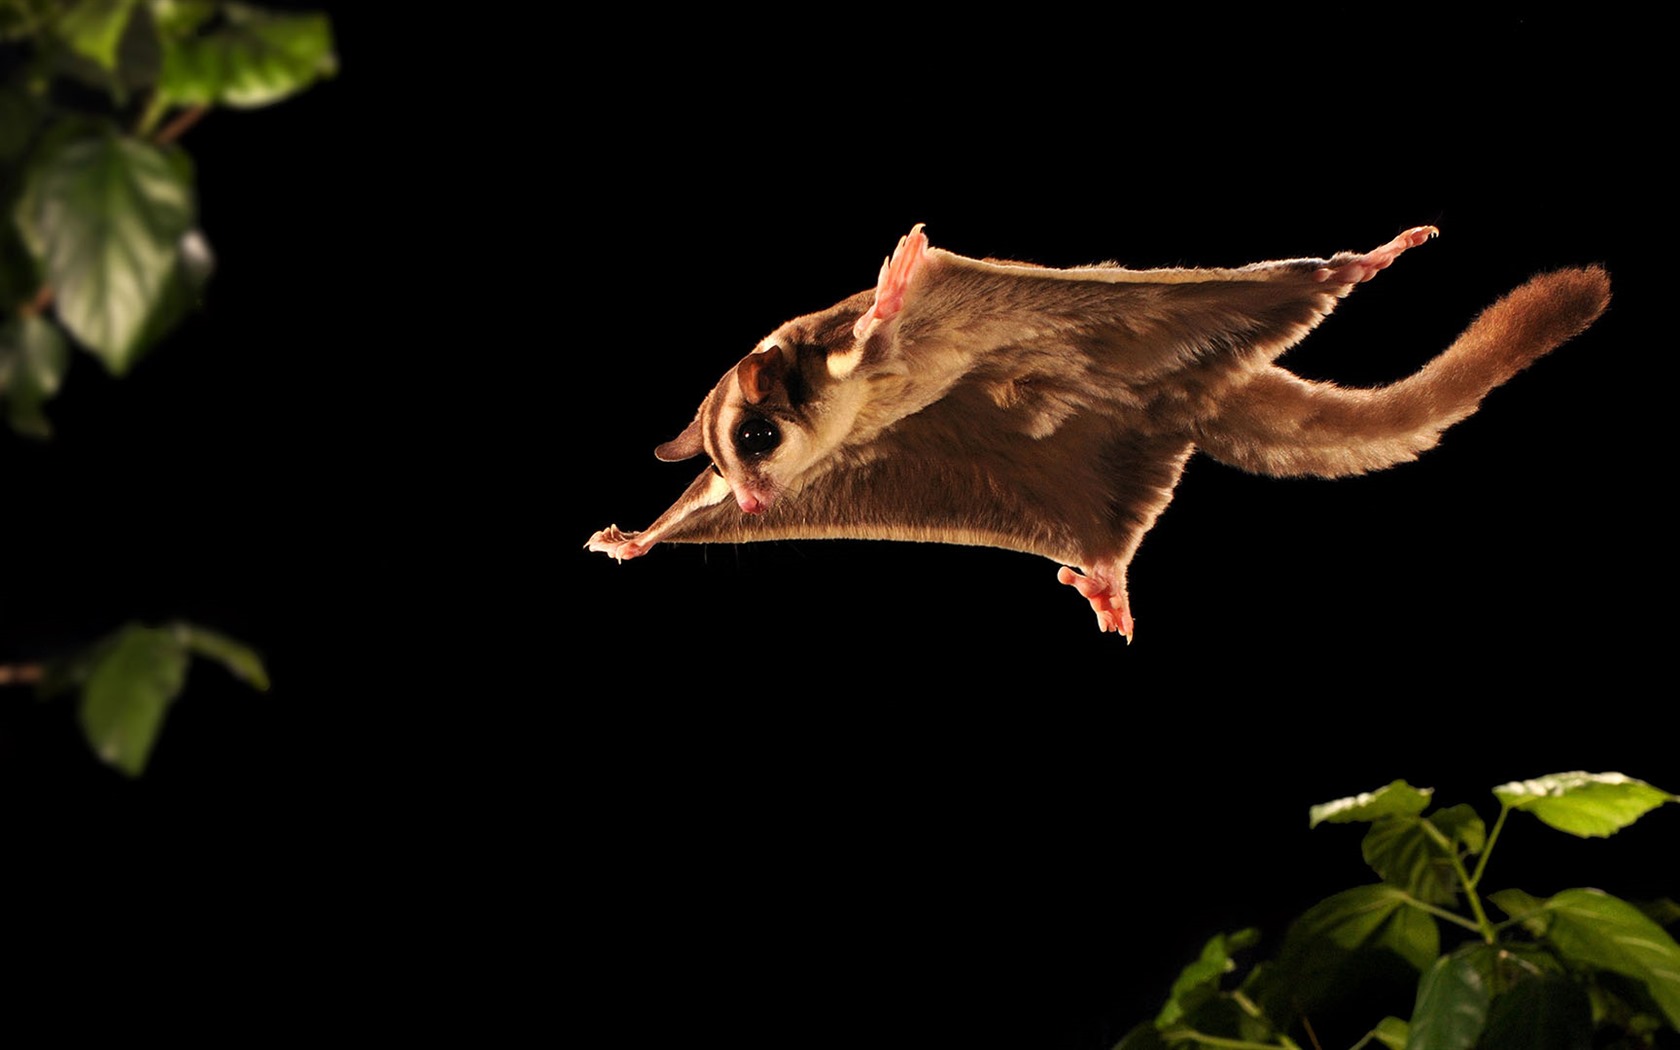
(761, 372)
(684, 446)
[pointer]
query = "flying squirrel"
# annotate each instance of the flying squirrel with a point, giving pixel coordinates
(1002, 404)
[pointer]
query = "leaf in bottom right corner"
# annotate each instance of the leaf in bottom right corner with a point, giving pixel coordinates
(1591, 929)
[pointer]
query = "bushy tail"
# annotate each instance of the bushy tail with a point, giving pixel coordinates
(1284, 425)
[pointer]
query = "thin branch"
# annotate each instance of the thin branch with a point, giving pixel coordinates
(20, 674)
(1487, 848)
(38, 303)
(1441, 913)
(1311, 1035)
(1220, 1041)
(178, 127)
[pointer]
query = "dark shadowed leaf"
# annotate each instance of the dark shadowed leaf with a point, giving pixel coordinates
(1663, 911)
(1461, 826)
(1452, 1007)
(32, 362)
(94, 28)
(128, 691)
(19, 114)
(105, 214)
(1504, 967)
(1591, 928)
(20, 19)
(240, 659)
(1524, 906)
(1144, 1036)
(1407, 851)
(1349, 919)
(1412, 935)
(1618, 1002)
(1584, 804)
(253, 58)
(1549, 1012)
(1397, 799)
(1341, 937)
(182, 293)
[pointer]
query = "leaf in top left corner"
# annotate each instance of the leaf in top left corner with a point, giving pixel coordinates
(104, 215)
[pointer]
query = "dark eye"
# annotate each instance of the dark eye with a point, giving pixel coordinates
(716, 471)
(757, 436)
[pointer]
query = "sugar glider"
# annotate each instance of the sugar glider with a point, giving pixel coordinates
(988, 402)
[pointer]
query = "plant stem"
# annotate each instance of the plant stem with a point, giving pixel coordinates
(1482, 926)
(1487, 850)
(1247, 1004)
(156, 107)
(1475, 900)
(1311, 1035)
(178, 127)
(1215, 1040)
(1442, 913)
(38, 303)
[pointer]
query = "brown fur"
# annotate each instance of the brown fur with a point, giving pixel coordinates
(1052, 411)
(1283, 425)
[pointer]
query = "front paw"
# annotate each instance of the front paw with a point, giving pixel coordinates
(615, 543)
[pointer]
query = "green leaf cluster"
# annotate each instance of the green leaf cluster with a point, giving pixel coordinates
(1578, 969)
(100, 246)
(128, 680)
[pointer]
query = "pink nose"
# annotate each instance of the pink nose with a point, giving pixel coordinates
(751, 503)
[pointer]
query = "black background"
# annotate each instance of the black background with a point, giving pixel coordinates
(836, 791)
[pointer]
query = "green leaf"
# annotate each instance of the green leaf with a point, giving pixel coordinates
(1366, 916)
(94, 28)
(127, 693)
(1143, 1036)
(32, 362)
(1348, 919)
(1452, 1007)
(182, 292)
(1584, 804)
(1618, 1002)
(1504, 967)
(1461, 826)
(1663, 911)
(1412, 935)
(105, 214)
(19, 115)
(1392, 1033)
(1550, 1012)
(240, 659)
(181, 17)
(254, 58)
(1397, 799)
(24, 18)
(1340, 938)
(1525, 906)
(1593, 929)
(1200, 980)
(1406, 851)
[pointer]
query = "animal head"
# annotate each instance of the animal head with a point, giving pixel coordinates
(775, 419)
